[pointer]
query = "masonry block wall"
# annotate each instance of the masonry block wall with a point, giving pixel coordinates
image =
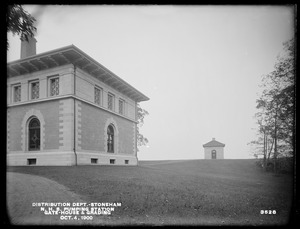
(219, 152)
(16, 117)
(66, 124)
(59, 109)
(93, 132)
(55, 120)
(17, 137)
(85, 85)
(65, 74)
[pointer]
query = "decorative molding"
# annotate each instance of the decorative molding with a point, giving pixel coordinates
(111, 121)
(32, 113)
(66, 124)
(78, 125)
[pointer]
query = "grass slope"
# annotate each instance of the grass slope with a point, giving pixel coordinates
(206, 192)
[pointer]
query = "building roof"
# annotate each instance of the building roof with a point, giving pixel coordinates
(214, 143)
(73, 55)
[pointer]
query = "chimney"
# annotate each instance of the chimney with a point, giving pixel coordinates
(213, 139)
(28, 48)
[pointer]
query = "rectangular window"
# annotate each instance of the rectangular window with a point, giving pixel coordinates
(112, 161)
(54, 86)
(31, 161)
(17, 93)
(121, 106)
(35, 90)
(94, 160)
(110, 102)
(126, 162)
(98, 95)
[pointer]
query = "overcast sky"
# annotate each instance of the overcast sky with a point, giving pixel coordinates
(199, 65)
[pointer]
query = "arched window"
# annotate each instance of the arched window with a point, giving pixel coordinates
(110, 139)
(213, 154)
(34, 130)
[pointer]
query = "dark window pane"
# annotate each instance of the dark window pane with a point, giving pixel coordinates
(34, 134)
(121, 107)
(110, 139)
(94, 160)
(110, 102)
(17, 94)
(97, 96)
(112, 161)
(35, 90)
(54, 86)
(214, 154)
(31, 161)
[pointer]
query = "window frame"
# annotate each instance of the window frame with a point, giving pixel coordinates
(31, 88)
(100, 95)
(30, 130)
(110, 139)
(31, 161)
(112, 161)
(123, 106)
(94, 160)
(50, 78)
(214, 152)
(113, 101)
(13, 92)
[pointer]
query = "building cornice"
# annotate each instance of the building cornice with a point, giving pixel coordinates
(73, 55)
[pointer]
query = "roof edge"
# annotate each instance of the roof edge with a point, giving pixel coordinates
(76, 49)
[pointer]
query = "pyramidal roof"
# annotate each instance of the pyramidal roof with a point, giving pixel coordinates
(214, 143)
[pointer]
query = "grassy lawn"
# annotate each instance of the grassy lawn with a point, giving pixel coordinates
(206, 192)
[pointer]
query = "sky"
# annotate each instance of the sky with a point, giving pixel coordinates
(201, 66)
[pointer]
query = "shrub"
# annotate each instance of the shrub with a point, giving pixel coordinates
(284, 165)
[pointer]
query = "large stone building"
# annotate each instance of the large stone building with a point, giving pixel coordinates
(65, 108)
(214, 150)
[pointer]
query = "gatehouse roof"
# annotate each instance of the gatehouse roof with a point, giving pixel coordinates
(214, 143)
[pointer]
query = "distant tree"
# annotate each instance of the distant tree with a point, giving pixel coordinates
(263, 145)
(276, 108)
(141, 113)
(19, 22)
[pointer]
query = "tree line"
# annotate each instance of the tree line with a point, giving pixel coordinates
(275, 114)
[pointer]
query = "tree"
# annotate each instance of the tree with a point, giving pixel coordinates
(263, 145)
(276, 105)
(19, 22)
(141, 113)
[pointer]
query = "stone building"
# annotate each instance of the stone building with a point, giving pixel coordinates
(214, 150)
(65, 108)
